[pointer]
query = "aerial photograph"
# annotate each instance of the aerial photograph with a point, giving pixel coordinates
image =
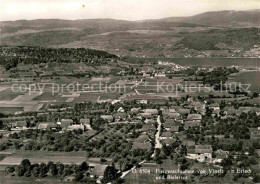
(129, 91)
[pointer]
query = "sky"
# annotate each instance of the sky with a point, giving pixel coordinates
(115, 9)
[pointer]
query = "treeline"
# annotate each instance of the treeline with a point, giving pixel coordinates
(82, 173)
(217, 76)
(27, 169)
(12, 55)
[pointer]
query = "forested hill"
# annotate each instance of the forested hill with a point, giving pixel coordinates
(13, 55)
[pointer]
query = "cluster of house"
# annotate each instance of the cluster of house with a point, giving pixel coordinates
(176, 118)
(63, 124)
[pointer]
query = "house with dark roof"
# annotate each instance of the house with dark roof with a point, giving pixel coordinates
(76, 127)
(149, 121)
(200, 107)
(215, 112)
(191, 124)
(143, 138)
(108, 118)
(174, 129)
(214, 106)
(135, 110)
(47, 126)
(85, 122)
(64, 123)
(146, 115)
(245, 109)
(174, 115)
(99, 170)
(183, 112)
(19, 124)
(151, 111)
(120, 116)
(168, 141)
(143, 146)
(188, 143)
(166, 111)
(169, 122)
(165, 135)
(148, 128)
(194, 117)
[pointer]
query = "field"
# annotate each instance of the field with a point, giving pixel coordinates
(43, 156)
(248, 78)
(49, 97)
(8, 95)
(11, 110)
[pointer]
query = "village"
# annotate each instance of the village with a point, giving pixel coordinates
(179, 127)
(161, 116)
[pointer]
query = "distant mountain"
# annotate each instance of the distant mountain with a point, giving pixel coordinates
(226, 30)
(218, 18)
(221, 18)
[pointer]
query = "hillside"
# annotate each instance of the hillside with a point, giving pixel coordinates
(221, 32)
(221, 18)
(11, 56)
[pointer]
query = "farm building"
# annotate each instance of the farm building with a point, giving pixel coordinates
(200, 153)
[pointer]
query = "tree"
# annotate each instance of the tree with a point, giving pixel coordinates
(79, 176)
(103, 160)
(1, 124)
(110, 174)
(20, 171)
(165, 150)
(84, 166)
(256, 178)
(9, 169)
(25, 164)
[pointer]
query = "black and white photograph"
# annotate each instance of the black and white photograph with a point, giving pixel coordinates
(129, 91)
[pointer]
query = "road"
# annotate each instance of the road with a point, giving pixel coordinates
(136, 85)
(157, 135)
(127, 172)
